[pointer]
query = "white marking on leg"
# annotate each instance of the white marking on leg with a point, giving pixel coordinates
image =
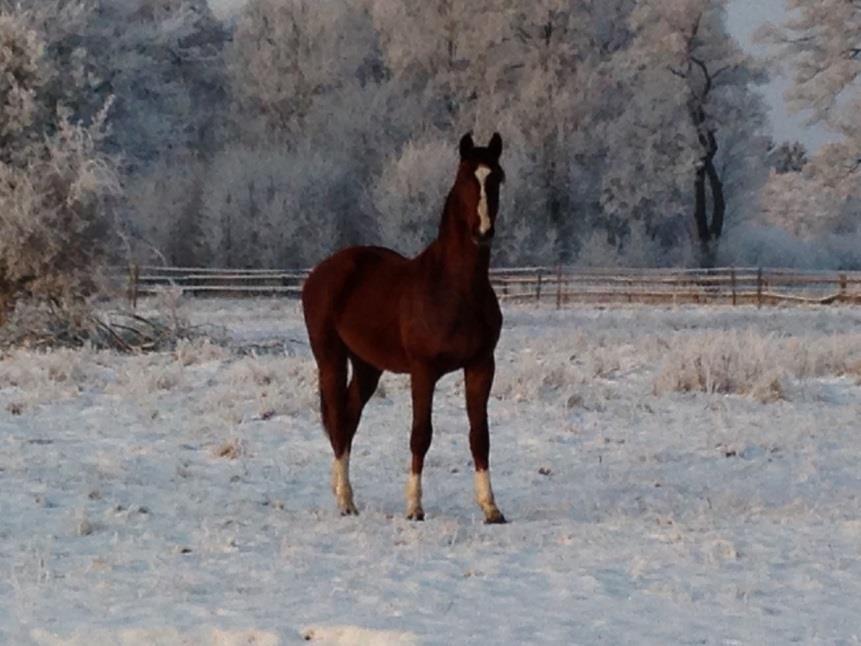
(341, 484)
(484, 224)
(414, 496)
(484, 496)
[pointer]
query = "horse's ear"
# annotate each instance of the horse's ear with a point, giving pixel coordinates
(466, 145)
(495, 145)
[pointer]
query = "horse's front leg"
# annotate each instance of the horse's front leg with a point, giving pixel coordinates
(423, 382)
(478, 379)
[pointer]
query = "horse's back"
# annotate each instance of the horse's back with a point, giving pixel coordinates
(355, 295)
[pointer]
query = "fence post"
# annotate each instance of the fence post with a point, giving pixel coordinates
(844, 287)
(559, 286)
(759, 287)
(538, 289)
(132, 292)
(732, 274)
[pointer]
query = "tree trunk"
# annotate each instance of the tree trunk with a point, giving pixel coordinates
(700, 215)
(718, 199)
(707, 232)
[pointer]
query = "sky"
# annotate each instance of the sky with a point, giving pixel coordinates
(745, 17)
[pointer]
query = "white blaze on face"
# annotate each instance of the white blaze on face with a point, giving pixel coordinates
(481, 174)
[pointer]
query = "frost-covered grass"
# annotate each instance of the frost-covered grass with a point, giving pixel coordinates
(671, 476)
(756, 364)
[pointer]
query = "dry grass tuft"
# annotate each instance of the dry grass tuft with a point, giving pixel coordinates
(753, 364)
(15, 408)
(230, 449)
(740, 363)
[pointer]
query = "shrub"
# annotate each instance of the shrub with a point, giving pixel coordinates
(56, 183)
(733, 362)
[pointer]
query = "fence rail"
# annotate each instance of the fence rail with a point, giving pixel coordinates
(557, 286)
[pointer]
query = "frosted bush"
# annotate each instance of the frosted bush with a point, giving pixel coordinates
(56, 181)
(53, 214)
(146, 375)
(535, 376)
(527, 233)
(597, 251)
(38, 377)
(635, 249)
(254, 386)
(167, 378)
(731, 362)
(190, 352)
(169, 302)
(24, 71)
(825, 356)
(277, 208)
(252, 372)
(287, 59)
(748, 363)
(410, 193)
(31, 370)
(750, 245)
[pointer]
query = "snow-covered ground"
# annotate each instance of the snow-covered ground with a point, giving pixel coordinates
(687, 475)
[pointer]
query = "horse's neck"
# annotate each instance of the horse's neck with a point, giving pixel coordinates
(462, 262)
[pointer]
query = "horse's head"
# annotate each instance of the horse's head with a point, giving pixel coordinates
(479, 178)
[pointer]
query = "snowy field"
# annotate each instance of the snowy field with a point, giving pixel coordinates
(672, 476)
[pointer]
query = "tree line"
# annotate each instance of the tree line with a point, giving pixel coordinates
(634, 131)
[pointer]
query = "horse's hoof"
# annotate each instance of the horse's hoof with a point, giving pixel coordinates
(416, 515)
(495, 518)
(350, 511)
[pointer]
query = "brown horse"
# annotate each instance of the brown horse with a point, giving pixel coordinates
(425, 316)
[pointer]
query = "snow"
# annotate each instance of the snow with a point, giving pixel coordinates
(183, 498)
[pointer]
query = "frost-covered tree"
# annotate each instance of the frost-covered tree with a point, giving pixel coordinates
(550, 54)
(164, 207)
(297, 66)
(55, 180)
(451, 67)
(160, 60)
(409, 193)
(788, 157)
(691, 91)
(821, 41)
(76, 82)
(814, 201)
(523, 68)
(305, 78)
(577, 94)
(821, 44)
(447, 53)
(269, 207)
(163, 61)
(24, 73)
(621, 118)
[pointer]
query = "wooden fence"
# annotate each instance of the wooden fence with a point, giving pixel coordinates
(555, 286)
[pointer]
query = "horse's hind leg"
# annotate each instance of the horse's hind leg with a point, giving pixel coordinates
(363, 383)
(331, 356)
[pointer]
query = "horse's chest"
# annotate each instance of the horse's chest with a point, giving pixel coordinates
(453, 335)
